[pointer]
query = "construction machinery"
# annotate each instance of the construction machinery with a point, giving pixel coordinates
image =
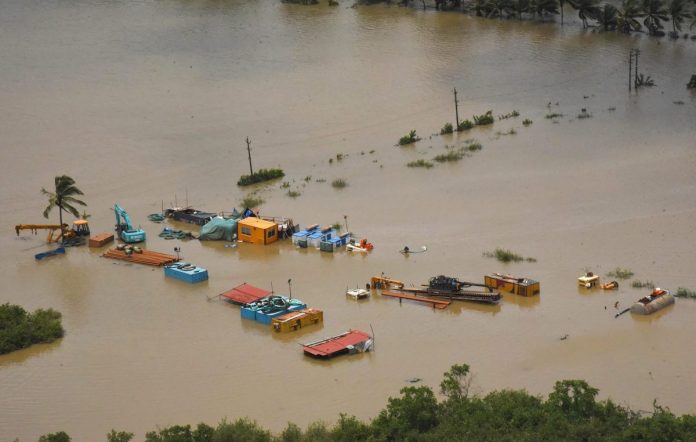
(125, 229)
(55, 231)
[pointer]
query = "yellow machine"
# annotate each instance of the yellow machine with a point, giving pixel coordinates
(57, 231)
(512, 284)
(384, 282)
(588, 280)
(296, 320)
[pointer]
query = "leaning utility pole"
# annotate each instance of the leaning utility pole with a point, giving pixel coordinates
(630, 68)
(635, 77)
(456, 108)
(633, 69)
(251, 171)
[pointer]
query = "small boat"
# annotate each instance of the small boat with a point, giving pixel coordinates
(358, 293)
(406, 250)
(362, 246)
(657, 300)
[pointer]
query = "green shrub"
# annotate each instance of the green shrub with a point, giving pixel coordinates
(446, 129)
(504, 255)
(553, 115)
(620, 273)
(473, 147)
(61, 436)
(20, 329)
(527, 121)
(251, 201)
(685, 293)
(260, 176)
(485, 119)
(452, 155)
(293, 193)
(408, 139)
(465, 125)
(420, 163)
(339, 183)
(642, 284)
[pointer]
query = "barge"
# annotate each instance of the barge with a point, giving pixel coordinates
(657, 300)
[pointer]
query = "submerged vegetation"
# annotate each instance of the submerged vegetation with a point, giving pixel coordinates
(504, 255)
(408, 139)
(485, 119)
(420, 163)
(339, 183)
(464, 125)
(251, 201)
(260, 176)
(642, 284)
(570, 413)
(20, 329)
(452, 155)
(447, 129)
(620, 273)
(685, 293)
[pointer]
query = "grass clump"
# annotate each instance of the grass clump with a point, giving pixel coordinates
(620, 273)
(527, 122)
(465, 125)
(452, 155)
(408, 139)
(553, 115)
(20, 329)
(251, 201)
(473, 146)
(420, 163)
(685, 293)
(642, 284)
(485, 119)
(504, 255)
(447, 129)
(339, 183)
(260, 176)
(293, 193)
(512, 114)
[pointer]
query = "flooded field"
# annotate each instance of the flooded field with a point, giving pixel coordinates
(148, 104)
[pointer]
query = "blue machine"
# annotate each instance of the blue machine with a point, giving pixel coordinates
(186, 272)
(125, 229)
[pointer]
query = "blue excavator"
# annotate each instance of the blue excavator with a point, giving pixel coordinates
(125, 229)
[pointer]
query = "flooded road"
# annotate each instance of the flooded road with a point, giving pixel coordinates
(148, 104)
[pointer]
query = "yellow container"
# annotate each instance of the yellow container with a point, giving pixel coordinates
(296, 320)
(511, 284)
(257, 231)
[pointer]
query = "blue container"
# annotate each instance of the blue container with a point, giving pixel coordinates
(345, 238)
(186, 272)
(314, 239)
(336, 242)
(299, 236)
(248, 313)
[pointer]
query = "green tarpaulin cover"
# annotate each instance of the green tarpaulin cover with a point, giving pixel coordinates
(219, 229)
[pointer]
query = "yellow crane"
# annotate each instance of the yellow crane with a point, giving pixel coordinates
(55, 231)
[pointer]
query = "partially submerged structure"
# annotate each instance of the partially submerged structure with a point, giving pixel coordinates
(350, 342)
(512, 284)
(186, 272)
(266, 309)
(296, 320)
(244, 294)
(257, 231)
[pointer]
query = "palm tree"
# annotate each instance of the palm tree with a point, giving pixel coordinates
(626, 16)
(607, 17)
(544, 7)
(63, 197)
(655, 13)
(518, 7)
(677, 10)
(587, 9)
(496, 8)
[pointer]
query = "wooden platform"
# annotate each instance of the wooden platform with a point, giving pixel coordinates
(148, 257)
(101, 239)
(436, 303)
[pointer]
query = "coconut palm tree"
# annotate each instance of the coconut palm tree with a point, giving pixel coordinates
(655, 13)
(63, 197)
(518, 7)
(607, 17)
(678, 13)
(626, 16)
(496, 8)
(587, 10)
(544, 7)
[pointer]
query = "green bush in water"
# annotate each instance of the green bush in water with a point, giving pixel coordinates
(420, 163)
(260, 176)
(465, 125)
(408, 139)
(485, 119)
(20, 329)
(447, 129)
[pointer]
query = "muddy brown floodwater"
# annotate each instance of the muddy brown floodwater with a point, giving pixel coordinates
(148, 103)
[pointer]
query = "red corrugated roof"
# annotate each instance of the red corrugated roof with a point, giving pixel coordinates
(336, 344)
(245, 293)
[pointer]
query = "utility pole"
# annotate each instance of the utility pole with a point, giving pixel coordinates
(251, 171)
(635, 78)
(456, 108)
(630, 68)
(290, 288)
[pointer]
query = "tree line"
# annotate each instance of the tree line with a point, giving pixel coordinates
(631, 16)
(570, 413)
